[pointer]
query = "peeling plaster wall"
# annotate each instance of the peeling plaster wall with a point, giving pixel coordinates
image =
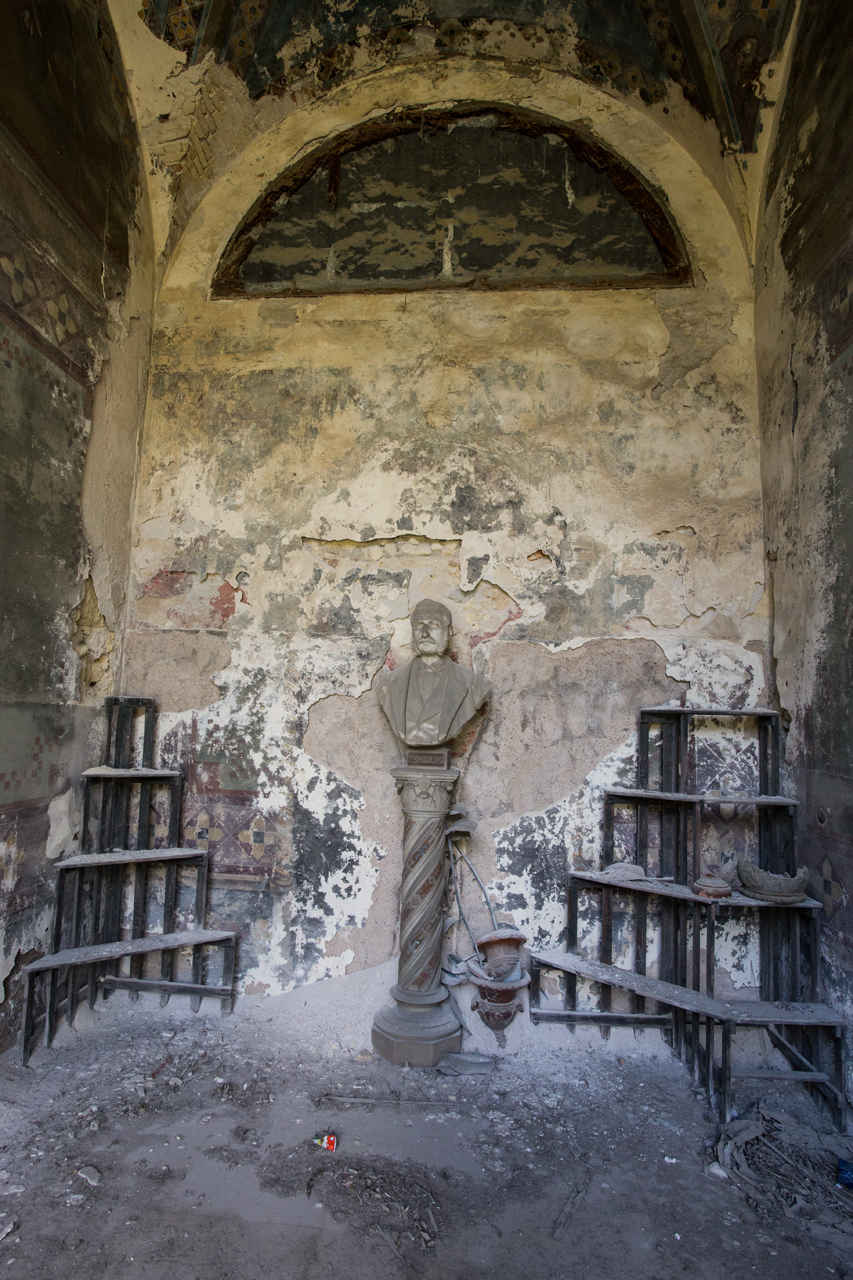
(805, 360)
(575, 475)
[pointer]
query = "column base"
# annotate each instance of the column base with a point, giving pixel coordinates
(419, 1035)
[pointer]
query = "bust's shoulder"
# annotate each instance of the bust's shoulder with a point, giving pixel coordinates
(389, 678)
(471, 680)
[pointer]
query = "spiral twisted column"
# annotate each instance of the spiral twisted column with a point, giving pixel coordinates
(420, 1027)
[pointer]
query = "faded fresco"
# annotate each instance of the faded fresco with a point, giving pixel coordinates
(475, 201)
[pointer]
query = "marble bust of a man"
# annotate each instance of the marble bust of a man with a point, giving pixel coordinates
(431, 699)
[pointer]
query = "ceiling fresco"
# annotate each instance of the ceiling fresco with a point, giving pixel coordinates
(712, 49)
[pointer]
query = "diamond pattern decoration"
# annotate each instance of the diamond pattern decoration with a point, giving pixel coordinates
(827, 888)
(254, 837)
(148, 14)
(23, 285)
(244, 33)
(236, 835)
(33, 290)
(205, 831)
(59, 310)
(182, 21)
(665, 36)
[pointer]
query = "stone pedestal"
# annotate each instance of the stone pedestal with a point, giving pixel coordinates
(420, 1027)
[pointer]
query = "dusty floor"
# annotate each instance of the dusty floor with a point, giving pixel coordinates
(151, 1143)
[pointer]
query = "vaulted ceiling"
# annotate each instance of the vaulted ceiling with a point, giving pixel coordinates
(712, 49)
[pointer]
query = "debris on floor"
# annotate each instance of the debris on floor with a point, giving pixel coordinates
(372, 1195)
(781, 1164)
(578, 1148)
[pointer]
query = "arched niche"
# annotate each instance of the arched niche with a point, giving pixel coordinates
(473, 197)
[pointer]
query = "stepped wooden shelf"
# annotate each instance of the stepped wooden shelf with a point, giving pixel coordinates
(94, 957)
(89, 903)
(703, 914)
(682, 803)
(681, 904)
(775, 1016)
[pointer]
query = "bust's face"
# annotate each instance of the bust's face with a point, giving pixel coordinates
(430, 636)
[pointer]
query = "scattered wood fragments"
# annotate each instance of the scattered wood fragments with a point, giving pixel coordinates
(780, 1164)
(576, 1194)
(399, 1205)
(370, 1100)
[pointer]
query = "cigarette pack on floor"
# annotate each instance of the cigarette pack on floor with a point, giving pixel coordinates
(327, 1141)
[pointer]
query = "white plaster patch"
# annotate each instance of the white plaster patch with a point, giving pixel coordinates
(720, 674)
(341, 897)
(63, 833)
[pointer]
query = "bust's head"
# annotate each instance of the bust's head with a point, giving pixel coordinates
(432, 627)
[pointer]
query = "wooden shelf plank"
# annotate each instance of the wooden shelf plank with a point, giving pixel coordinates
(743, 714)
(682, 797)
(669, 889)
(118, 982)
(129, 947)
(795, 1077)
(781, 1013)
(609, 1016)
(126, 857)
(106, 772)
(610, 975)
(745, 1013)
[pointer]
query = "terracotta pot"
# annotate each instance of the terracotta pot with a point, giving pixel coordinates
(497, 1002)
(499, 951)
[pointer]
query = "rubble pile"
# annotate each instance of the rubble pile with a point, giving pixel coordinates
(782, 1165)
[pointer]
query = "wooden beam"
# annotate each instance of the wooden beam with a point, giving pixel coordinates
(605, 1017)
(119, 982)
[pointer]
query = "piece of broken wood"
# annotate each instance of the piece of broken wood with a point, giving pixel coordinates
(435, 1103)
(575, 1196)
